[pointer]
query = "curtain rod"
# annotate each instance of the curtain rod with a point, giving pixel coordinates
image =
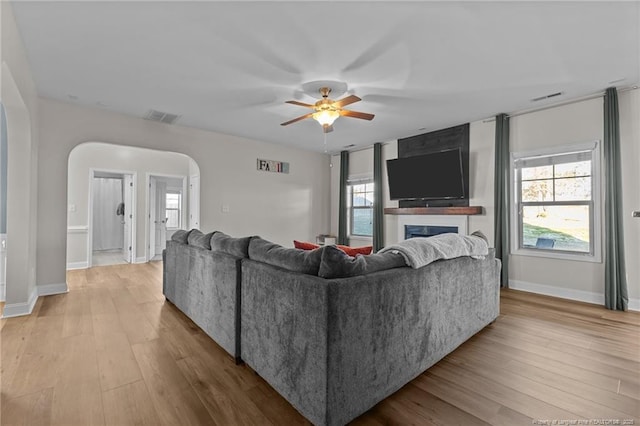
(559, 104)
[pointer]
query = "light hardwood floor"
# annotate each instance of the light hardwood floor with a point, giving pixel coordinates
(111, 351)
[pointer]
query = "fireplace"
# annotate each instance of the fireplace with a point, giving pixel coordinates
(413, 231)
(411, 226)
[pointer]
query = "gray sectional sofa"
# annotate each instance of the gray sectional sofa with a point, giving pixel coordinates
(333, 335)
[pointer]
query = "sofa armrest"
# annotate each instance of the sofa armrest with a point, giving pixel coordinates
(203, 284)
(284, 333)
(388, 327)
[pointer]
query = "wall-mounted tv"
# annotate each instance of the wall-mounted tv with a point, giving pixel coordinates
(434, 176)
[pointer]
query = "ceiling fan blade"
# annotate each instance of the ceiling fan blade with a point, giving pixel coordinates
(302, 104)
(356, 114)
(346, 101)
(326, 128)
(297, 119)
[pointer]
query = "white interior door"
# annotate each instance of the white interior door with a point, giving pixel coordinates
(152, 217)
(194, 202)
(127, 218)
(160, 219)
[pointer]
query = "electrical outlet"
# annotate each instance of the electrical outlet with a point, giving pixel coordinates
(225, 208)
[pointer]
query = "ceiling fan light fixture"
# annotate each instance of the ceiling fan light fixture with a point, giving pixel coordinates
(326, 116)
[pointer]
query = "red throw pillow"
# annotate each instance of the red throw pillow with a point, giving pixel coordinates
(304, 246)
(352, 251)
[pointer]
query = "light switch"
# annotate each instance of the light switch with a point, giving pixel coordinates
(225, 208)
(72, 207)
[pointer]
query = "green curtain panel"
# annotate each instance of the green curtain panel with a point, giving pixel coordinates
(342, 204)
(501, 196)
(615, 278)
(378, 202)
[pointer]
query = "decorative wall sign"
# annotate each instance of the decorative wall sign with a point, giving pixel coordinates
(273, 166)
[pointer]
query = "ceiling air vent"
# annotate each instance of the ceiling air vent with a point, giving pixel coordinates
(541, 98)
(162, 117)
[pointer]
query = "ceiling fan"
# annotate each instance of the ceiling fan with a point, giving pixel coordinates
(326, 110)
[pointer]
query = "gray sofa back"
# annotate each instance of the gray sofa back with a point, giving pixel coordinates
(336, 347)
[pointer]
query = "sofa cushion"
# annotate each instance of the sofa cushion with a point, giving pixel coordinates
(238, 247)
(352, 251)
(336, 263)
(304, 261)
(180, 236)
(302, 245)
(198, 239)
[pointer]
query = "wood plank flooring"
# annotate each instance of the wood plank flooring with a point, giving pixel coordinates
(113, 352)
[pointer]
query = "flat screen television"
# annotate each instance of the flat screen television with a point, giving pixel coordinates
(435, 176)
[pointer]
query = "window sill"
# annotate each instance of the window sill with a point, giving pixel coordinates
(559, 255)
(360, 238)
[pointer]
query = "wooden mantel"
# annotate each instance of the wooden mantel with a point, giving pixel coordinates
(471, 210)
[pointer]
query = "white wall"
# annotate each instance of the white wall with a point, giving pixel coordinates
(101, 156)
(280, 207)
(19, 96)
(574, 123)
(579, 122)
(482, 141)
(582, 122)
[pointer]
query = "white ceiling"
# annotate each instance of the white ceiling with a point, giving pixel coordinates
(418, 66)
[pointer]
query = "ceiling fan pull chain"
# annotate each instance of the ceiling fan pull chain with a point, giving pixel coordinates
(325, 143)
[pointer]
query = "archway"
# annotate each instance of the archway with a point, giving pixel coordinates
(91, 160)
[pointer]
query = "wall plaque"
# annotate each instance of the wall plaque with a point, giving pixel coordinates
(273, 166)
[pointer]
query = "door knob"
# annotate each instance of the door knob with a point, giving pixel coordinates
(635, 213)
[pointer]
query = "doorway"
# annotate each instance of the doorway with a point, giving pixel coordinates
(111, 217)
(166, 203)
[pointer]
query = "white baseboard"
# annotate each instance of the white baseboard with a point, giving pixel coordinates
(140, 260)
(567, 293)
(20, 309)
(51, 289)
(3, 292)
(77, 265)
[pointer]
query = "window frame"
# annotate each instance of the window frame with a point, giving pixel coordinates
(179, 209)
(350, 184)
(595, 204)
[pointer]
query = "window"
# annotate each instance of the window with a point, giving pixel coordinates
(361, 208)
(556, 207)
(173, 210)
